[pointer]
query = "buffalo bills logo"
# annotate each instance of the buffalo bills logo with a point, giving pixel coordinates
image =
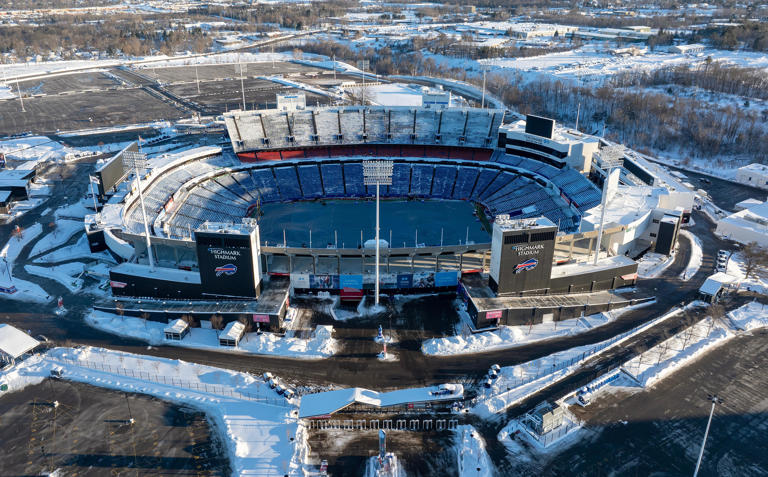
(228, 269)
(529, 264)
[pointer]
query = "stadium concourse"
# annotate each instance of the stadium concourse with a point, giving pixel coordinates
(192, 228)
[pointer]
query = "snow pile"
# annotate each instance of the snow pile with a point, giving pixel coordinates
(257, 424)
(511, 336)
(750, 316)
(663, 359)
(63, 231)
(364, 310)
(696, 255)
(34, 148)
(652, 264)
(471, 454)
(321, 345)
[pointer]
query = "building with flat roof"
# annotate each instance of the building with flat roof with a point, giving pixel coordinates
(540, 139)
(755, 175)
(745, 226)
(14, 343)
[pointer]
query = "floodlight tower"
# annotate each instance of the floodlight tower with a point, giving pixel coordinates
(377, 172)
(715, 400)
(611, 158)
(138, 161)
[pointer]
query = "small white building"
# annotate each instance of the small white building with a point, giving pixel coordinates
(745, 226)
(232, 334)
(176, 330)
(755, 175)
(687, 49)
(14, 343)
(717, 285)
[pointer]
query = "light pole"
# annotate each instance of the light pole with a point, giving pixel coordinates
(611, 158)
(138, 160)
(377, 172)
(715, 400)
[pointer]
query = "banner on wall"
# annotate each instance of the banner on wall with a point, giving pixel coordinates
(424, 280)
(351, 281)
(299, 280)
(405, 280)
(446, 279)
(324, 282)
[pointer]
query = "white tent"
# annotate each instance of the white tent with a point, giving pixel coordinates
(14, 343)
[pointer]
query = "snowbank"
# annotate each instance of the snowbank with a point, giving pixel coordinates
(79, 250)
(321, 345)
(736, 268)
(512, 336)
(751, 316)
(257, 424)
(471, 454)
(663, 359)
(696, 255)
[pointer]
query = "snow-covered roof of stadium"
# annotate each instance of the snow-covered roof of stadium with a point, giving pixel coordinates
(326, 403)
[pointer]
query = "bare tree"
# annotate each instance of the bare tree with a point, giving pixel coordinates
(120, 309)
(755, 259)
(217, 323)
(145, 317)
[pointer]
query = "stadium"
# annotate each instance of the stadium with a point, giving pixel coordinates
(291, 197)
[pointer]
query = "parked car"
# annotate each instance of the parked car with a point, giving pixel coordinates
(496, 367)
(267, 376)
(488, 383)
(272, 383)
(280, 390)
(289, 393)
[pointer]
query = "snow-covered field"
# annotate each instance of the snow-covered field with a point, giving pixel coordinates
(696, 255)
(471, 454)
(394, 94)
(321, 345)
(67, 274)
(736, 268)
(262, 435)
(25, 291)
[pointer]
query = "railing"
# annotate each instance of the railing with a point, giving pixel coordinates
(177, 382)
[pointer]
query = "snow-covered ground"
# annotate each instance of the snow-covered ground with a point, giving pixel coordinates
(79, 250)
(262, 435)
(321, 345)
(652, 264)
(68, 274)
(696, 255)
(736, 268)
(751, 316)
(25, 291)
(517, 382)
(663, 359)
(63, 231)
(472, 457)
(364, 309)
(512, 336)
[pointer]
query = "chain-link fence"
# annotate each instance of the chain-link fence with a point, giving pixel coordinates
(180, 383)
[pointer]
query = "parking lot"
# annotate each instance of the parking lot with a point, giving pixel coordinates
(87, 431)
(95, 80)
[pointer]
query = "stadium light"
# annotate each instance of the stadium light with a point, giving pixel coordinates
(611, 157)
(138, 160)
(715, 400)
(377, 173)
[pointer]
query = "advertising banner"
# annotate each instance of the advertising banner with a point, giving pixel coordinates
(260, 318)
(493, 315)
(424, 280)
(300, 280)
(446, 279)
(324, 282)
(351, 281)
(388, 280)
(405, 280)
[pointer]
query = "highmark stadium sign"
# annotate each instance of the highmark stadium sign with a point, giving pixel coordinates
(224, 253)
(531, 249)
